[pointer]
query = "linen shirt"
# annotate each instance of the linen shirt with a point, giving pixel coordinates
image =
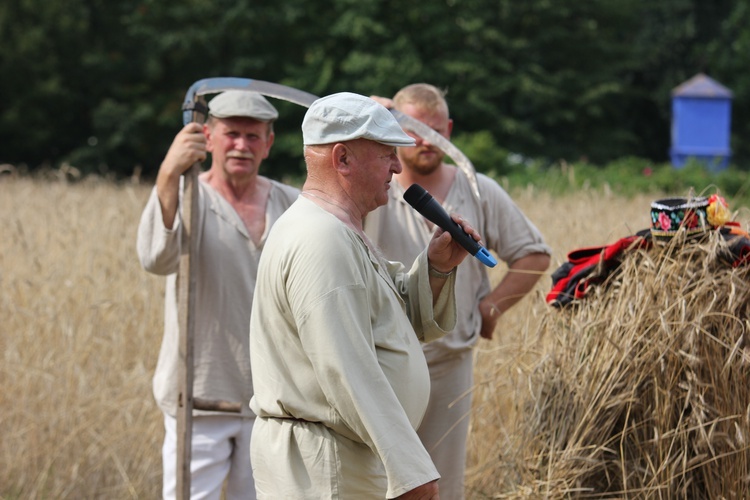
(226, 260)
(340, 379)
(401, 232)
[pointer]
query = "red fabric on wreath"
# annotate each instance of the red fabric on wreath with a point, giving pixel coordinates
(592, 265)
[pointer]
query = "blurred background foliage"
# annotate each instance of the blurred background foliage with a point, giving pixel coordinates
(533, 86)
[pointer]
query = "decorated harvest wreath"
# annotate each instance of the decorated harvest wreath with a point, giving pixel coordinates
(694, 218)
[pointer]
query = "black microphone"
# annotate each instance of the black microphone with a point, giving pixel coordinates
(425, 204)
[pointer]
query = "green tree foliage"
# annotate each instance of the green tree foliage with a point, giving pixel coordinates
(100, 84)
(43, 85)
(728, 55)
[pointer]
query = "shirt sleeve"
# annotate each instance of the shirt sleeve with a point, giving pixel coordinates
(429, 322)
(158, 247)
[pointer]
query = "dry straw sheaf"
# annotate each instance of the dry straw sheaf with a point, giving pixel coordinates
(503, 365)
(644, 390)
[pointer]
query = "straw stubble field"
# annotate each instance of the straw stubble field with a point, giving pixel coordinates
(81, 328)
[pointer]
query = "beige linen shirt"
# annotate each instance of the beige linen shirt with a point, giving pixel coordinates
(340, 379)
(227, 263)
(401, 232)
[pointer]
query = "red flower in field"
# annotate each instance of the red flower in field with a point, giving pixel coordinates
(665, 222)
(648, 171)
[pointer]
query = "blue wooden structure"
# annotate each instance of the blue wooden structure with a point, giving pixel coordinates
(701, 123)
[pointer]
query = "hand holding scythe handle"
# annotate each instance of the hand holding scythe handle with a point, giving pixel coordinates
(194, 109)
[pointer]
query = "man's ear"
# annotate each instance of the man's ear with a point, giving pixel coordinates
(342, 158)
(207, 132)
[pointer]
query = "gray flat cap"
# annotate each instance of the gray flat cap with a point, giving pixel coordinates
(244, 103)
(346, 116)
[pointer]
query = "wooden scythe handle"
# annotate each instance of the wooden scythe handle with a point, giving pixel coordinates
(186, 308)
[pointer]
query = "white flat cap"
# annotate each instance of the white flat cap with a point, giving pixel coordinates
(346, 116)
(244, 103)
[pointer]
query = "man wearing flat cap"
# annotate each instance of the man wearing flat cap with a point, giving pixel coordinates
(341, 383)
(236, 209)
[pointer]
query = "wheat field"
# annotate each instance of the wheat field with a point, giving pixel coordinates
(81, 328)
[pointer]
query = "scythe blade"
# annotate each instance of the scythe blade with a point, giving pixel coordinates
(278, 91)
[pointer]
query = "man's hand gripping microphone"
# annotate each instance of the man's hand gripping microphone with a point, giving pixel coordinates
(425, 204)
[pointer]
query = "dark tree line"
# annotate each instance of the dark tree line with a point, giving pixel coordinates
(99, 84)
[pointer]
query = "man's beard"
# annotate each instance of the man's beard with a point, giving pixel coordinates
(424, 166)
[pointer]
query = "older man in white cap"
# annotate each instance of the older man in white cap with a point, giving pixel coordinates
(341, 383)
(236, 209)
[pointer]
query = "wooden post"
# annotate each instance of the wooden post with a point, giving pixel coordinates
(186, 309)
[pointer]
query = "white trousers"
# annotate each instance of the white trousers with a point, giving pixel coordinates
(220, 451)
(445, 426)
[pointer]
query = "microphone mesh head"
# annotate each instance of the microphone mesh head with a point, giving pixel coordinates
(417, 196)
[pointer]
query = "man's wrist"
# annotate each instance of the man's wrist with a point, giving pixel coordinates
(439, 274)
(495, 311)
